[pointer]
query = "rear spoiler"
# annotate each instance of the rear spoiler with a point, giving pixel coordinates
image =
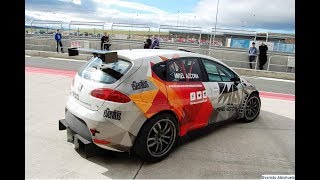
(106, 56)
(182, 49)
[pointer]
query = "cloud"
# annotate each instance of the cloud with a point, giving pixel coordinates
(78, 2)
(131, 5)
(271, 15)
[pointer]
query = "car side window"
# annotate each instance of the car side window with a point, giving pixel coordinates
(184, 69)
(217, 72)
(212, 70)
(225, 73)
(160, 70)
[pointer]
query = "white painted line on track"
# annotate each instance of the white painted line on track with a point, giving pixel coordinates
(277, 93)
(270, 79)
(275, 79)
(275, 99)
(27, 56)
(64, 59)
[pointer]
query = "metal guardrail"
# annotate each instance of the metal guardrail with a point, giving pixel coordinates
(269, 63)
(247, 62)
(136, 44)
(49, 47)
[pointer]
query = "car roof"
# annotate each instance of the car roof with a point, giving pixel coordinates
(136, 54)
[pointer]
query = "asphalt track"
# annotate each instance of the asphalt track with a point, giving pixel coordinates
(262, 84)
(230, 150)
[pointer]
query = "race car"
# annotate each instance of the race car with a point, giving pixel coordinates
(142, 100)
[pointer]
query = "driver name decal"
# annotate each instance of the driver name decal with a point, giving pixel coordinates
(188, 76)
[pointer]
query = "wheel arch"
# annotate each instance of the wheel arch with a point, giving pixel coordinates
(157, 114)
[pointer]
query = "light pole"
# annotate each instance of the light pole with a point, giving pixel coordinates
(194, 24)
(178, 19)
(215, 25)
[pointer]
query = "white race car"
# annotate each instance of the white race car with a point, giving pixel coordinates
(142, 100)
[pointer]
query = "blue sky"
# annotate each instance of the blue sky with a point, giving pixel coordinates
(260, 15)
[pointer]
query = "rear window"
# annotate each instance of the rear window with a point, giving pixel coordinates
(108, 73)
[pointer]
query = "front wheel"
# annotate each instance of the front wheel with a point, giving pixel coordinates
(252, 108)
(157, 138)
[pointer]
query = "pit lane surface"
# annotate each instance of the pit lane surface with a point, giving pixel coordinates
(231, 150)
(263, 84)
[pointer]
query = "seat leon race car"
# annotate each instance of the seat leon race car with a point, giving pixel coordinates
(143, 100)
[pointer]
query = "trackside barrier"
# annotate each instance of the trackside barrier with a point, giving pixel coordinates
(289, 64)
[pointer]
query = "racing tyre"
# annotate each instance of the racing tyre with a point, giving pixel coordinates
(252, 108)
(157, 138)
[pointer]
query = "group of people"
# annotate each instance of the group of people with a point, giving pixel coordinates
(105, 42)
(253, 51)
(154, 44)
(151, 43)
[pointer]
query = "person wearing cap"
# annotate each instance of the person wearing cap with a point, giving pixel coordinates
(252, 54)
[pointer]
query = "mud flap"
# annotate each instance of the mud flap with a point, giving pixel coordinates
(90, 149)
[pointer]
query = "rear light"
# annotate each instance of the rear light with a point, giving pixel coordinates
(110, 95)
(100, 141)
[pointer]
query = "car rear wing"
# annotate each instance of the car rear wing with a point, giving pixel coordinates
(106, 56)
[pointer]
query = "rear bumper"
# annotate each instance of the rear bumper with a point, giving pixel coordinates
(78, 132)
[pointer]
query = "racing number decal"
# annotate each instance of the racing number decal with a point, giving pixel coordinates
(198, 97)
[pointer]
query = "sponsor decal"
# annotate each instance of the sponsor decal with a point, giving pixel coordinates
(112, 114)
(227, 94)
(75, 95)
(80, 87)
(188, 76)
(139, 85)
(227, 108)
(198, 97)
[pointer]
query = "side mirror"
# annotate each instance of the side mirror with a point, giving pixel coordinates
(235, 79)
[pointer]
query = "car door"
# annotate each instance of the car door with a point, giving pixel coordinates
(186, 93)
(225, 94)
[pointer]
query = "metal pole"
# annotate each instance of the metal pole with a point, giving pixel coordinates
(178, 19)
(215, 26)
(200, 39)
(210, 39)
(31, 27)
(267, 37)
(69, 30)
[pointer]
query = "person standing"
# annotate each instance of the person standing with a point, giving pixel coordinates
(58, 38)
(252, 54)
(105, 39)
(147, 44)
(155, 43)
(262, 55)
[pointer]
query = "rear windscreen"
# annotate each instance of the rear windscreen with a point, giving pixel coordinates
(108, 73)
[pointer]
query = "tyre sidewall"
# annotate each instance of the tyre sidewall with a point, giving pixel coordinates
(245, 119)
(140, 145)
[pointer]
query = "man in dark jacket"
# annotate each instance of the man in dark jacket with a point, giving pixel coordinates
(58, 38)
(262, 55)
(147, 44)
(105, 42)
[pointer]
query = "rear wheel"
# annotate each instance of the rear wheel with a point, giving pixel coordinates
(252, 108)
(157, 138)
